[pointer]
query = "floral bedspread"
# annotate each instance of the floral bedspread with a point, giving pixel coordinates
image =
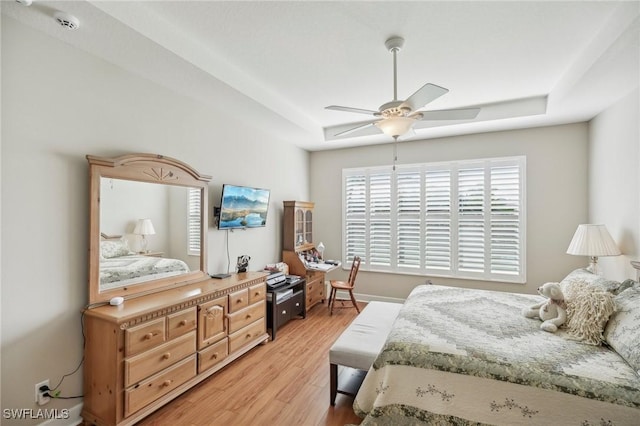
(137, 268)
(463, 356)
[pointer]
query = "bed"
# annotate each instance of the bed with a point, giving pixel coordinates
(463, 356)
(119, 266)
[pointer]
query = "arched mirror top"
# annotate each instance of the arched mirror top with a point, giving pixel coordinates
(148, 224)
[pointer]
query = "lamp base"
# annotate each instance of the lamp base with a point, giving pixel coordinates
(593, 267)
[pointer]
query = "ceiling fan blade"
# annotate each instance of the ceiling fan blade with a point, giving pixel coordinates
(356, 128)
(424, 95)
(450, 114)
(349, 109)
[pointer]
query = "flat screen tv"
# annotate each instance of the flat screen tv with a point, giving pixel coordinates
(243, 207)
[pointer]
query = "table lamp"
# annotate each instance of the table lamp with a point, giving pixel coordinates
(593, 241)
(144, 227)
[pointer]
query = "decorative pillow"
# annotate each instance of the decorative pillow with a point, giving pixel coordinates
(585, 277)
(588, 310)
(114, 248)
(623, 330)
(625, 285)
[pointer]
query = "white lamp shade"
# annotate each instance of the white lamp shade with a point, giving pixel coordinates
(592, 240)
(395, 126)
(144, 227)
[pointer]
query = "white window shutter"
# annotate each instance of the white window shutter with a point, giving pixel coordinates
(194, 215)
(461, 219)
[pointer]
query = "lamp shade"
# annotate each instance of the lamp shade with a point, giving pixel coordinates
(592, 240)
(144, 227)
(395, 126)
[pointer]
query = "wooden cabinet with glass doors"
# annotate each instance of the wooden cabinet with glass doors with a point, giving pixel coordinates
(298, 226)
(298, 246)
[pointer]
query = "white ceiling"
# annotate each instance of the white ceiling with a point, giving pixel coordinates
(278, 64)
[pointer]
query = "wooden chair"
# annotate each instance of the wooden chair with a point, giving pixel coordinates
(345, 285)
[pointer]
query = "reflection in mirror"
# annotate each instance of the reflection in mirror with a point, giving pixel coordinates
(147, 231)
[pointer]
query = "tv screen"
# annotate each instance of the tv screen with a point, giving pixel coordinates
(243, 207)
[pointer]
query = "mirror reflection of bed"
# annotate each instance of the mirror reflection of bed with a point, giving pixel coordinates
(129, 255)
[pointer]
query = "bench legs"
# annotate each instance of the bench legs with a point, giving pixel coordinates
(333, 374)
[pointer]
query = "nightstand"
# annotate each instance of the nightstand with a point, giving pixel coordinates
(153, 253)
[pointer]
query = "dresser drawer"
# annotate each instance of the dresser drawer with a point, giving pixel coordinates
(181, 322)
(315, 292)
(148, 363)
(213, 355)
(238, 300)
(246, 335)
(144, 336)
(156, 386)
(257, 293)
(246, 316)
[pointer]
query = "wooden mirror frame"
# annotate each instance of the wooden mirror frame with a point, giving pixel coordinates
(151, 168)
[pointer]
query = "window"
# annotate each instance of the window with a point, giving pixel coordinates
(193, 221)
(457, 219)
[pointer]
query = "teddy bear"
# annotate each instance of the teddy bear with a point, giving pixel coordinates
(553, 311)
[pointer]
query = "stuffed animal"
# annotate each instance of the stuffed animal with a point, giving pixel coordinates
(553, 311)
(243, 263)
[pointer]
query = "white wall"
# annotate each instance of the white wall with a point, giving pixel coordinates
(59, 104)
(556, 198)
(614, 181)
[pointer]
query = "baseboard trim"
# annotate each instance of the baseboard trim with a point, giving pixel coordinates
(73, 419)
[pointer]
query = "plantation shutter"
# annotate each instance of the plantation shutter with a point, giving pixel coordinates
(471, 228)
(452, 219)
(193, 221)
(505, 219)
(355, 213)
(438, 232)
(380, 219)
(408, 207)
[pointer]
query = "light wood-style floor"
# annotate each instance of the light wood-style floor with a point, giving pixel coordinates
(284, 382)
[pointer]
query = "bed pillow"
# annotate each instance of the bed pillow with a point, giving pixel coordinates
(623, 329)
(588, 310)
(114, 248)
(585, 277)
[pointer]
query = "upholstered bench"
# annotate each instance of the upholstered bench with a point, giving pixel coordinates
(359, 345)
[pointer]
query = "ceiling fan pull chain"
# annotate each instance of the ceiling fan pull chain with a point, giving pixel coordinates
(395, 76)
(395, 152)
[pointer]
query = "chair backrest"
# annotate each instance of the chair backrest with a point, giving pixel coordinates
(355, 266)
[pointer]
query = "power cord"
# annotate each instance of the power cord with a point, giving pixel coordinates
(55, 393)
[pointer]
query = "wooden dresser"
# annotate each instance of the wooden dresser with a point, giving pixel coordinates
(147, 351)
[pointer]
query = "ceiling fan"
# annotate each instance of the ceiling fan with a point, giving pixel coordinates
(397, 117)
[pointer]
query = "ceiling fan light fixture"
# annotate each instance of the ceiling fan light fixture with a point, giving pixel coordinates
(395, 126)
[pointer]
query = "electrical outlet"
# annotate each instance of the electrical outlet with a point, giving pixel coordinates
(41, 399)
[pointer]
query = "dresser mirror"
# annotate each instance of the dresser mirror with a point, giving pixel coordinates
(148, 222)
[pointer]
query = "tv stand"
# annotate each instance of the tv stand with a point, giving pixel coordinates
(280, 311)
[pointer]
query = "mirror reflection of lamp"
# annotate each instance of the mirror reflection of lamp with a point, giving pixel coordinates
(143, 228)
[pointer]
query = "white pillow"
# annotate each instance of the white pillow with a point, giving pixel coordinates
(623, 329)
(114, 248)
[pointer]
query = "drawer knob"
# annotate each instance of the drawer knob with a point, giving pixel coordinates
(167, 355)
(239, 300)
(248, 336)
(284, 312)
(248, 316)
(297, 303)
(214, 356)
(148, 336)
(166, 383)
(183, 323)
